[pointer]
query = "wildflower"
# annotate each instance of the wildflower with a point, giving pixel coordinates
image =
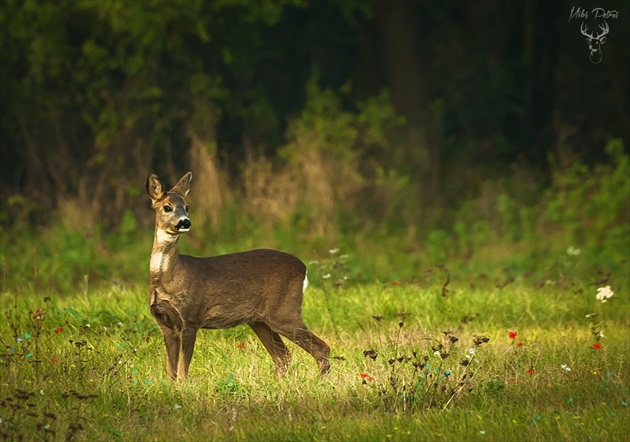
(366, 377)
(530, 371)
(394, 283)
(513, 335)
(19, 339)
(54, 361)
(178, 407)
(333, 251)
(565, 367)
(520, 344)
(27, 336)
(471, 352)
(447, 373)
(58, 330)
(326, 276)
(597, 346)
(240, 345)
(573, 251)
(482, 431)
(604, 293)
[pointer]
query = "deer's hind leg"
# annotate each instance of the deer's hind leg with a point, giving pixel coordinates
(302, 336)
(274, 345)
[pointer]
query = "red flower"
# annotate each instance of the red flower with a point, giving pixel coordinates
(240, 345)
(58, 330)
(513, 335)
(597, 346)
(520, 344)
(394, 283)
(530, 371)
(366, 377)
(54, 361)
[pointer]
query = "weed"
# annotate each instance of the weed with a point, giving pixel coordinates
(420, 377)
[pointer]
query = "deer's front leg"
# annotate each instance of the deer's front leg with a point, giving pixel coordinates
(170, 323)
(188, 337)
(172, 340)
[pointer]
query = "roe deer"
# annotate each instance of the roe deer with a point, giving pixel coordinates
(260, 288)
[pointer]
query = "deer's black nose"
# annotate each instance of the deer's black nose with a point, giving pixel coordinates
(183, 224)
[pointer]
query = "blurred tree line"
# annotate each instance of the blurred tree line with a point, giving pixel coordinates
(431, 96)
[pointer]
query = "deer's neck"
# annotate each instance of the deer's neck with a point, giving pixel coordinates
(164, 256)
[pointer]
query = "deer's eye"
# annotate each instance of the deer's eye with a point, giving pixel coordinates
(168, 209)
(187, 208)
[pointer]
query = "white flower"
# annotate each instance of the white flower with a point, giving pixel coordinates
(326, 276)
(178, 407)
(333, 251)
(604, 293)
(573, 251)
(566, 367)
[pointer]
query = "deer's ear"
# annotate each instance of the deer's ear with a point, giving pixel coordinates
(183, 186)
(155, 188)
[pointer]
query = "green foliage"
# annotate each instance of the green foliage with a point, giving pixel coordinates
(590, 208)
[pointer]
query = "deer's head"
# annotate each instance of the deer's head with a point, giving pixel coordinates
(595, 41)
(171, 209)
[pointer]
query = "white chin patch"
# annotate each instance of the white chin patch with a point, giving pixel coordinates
(164, 237)
(183, 230)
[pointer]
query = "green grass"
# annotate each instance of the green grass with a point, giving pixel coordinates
(92, 367)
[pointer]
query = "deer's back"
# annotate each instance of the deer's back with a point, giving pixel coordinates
(226, 290)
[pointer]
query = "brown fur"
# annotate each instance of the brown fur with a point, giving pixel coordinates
(262, 288)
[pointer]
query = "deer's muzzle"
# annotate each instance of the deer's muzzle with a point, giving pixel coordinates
(183, 225)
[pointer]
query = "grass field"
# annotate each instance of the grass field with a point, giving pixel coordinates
(468, 359)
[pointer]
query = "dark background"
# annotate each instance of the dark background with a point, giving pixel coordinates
(97, 94)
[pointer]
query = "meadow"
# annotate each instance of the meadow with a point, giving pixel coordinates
(504, 318)
(438, 357)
